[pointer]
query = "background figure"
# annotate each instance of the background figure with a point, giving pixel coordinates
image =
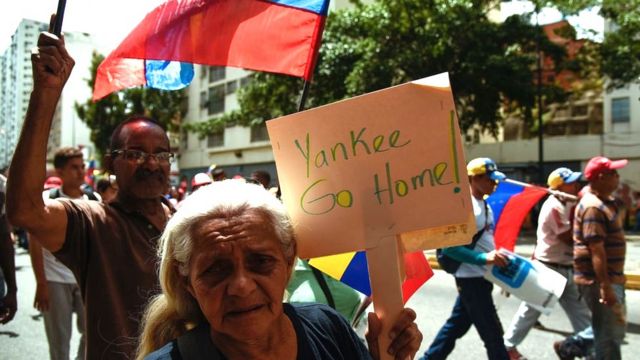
(107, 188)
(554, 249)
(57, 293)
(262, 177)
(8, 298)
(599, 254)
(636, 197)
(623, 197)
(305, 287)
(217, 173)
(474, 304)
(199, 180)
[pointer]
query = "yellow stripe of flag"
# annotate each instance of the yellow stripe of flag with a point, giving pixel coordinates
(333, 265)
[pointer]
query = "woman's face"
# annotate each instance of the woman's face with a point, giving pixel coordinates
(238, 274)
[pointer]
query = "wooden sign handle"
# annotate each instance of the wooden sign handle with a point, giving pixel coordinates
(385, 274)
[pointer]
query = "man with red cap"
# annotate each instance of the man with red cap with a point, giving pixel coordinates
(599, 254)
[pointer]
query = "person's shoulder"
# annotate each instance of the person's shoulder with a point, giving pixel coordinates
(164, 353)
(81, 206)
(318, 314)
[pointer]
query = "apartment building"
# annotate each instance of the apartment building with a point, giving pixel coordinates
(16, 83)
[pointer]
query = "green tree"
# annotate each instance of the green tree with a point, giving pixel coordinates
(618, 56)
(390, 42)
(102, 116)
(620, 49)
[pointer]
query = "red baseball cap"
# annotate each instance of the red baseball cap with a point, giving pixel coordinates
(600, 164)
(52, 182)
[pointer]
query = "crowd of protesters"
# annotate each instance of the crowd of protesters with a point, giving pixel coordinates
(95, 252)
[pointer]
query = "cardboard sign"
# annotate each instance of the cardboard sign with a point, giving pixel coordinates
(529, 281)
(377, 166)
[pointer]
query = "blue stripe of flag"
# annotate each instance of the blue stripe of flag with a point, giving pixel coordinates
(168, 75)
(320, 7)
(357, 274)
(501, 197)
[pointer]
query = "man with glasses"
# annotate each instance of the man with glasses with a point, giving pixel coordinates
(110, 248)
(599, 255)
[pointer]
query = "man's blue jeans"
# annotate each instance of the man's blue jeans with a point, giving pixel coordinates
(608, 326)
(474, 306)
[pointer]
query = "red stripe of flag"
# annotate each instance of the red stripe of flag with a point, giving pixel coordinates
(513, 215)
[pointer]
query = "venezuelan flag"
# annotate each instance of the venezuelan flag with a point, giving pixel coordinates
(352, 269)
(280, 36)
(510, 204)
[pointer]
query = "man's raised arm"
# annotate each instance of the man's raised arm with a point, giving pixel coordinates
(52, 66)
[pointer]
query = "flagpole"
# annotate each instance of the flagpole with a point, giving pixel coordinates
(550, 191)
(57, 25)
(309, 74)
(303, 95)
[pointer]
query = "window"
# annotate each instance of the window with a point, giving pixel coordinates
(580, 110)
(620, 110)
(185, 139)
(259, 133)
(245, 81)
(216, 139)
(216, 99)
(203, 100)
(216, 73)
(231, 87)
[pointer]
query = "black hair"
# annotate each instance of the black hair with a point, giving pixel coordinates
(63, 155)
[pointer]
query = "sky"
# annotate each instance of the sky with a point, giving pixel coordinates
(109, 21)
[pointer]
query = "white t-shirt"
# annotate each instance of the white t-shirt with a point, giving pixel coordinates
(554, 219)
(485, 244)
(54, 270)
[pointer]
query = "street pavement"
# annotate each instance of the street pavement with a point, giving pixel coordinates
(24, 338)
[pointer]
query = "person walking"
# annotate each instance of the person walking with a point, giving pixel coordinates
(599, 254)
(554, 249)
(57, 293)
(474, 304)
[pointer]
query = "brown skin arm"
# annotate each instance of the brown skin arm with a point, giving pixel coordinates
(599, 261)
(566, 237)
(41, 300)
(25, 207)
(405, 336)
(7, 263)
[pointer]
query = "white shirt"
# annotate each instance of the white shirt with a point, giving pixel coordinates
(554, 219)
(485, 244)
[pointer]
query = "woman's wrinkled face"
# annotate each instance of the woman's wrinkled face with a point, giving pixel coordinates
(238, 274)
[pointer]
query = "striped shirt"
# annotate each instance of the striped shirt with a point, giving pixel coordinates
(598, 220)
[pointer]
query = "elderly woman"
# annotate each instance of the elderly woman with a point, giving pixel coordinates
(227, 256)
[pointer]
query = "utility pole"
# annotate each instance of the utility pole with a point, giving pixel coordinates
(540, 59)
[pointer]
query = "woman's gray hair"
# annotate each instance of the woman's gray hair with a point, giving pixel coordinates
(223, 199)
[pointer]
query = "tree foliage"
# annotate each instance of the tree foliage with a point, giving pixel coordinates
(621, 48)
(390, 42)
(102, 117)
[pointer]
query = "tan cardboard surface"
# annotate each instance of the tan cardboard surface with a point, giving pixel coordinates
(375, 166)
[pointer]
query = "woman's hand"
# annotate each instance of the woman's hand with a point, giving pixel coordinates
(404, 334)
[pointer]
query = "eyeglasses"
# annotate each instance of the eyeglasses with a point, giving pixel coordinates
(140, 157)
